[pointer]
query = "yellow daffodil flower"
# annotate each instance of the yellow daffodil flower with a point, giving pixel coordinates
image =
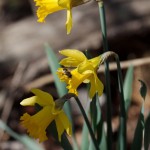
(37, 124)
(49, 6)
(85, 71)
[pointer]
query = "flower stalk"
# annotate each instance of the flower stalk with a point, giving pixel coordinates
(107, 80)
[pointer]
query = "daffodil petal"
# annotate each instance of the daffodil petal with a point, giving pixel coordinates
(62, 124)
(69, 62)
(76, 80)
(92, 87)
(66, 123)
(29, 101)
(99, 85)
(44, 98)
(95, 61)
(96, 86)
(74, 54)
(85, 66)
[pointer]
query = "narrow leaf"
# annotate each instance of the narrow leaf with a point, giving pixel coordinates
(147, 133)
(54, 65)
(128, 87)
(85, 138)
(138, 135)
(101, 136)
(85, 133)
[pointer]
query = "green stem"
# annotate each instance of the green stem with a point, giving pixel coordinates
(87, 123)
(107, 80)
(122, 134)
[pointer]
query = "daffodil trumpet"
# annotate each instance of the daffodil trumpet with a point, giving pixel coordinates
(37, 124)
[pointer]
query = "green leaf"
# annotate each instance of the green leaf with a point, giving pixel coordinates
(29, 143)
(101, 136)
(138, 135)
(95, 116)
(85, 133)
(54, 65)
(128, 87)
(147, 133)
(85, 138)
(94, 112)
(97, 121)
(143, 89)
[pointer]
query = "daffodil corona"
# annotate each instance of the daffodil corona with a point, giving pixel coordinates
(37, 124)
(47, 7)
(85, 71)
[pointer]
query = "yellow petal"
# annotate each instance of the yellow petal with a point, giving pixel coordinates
(85, 67)
(96, 86)
(76, 80)
(41, 98)
(74, 54)
(37, 124)
(44, 97)
(69, 62)
(29, 101)
(95, 61)
(62, 124)
(99, 85)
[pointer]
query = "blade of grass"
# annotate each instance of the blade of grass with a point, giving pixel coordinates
(101, 136)
(128, 87)
(95, 116)
(85, 138)
(94, 112)
(85, 133)
(29, 143)
(138, 135)
(147, 133)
